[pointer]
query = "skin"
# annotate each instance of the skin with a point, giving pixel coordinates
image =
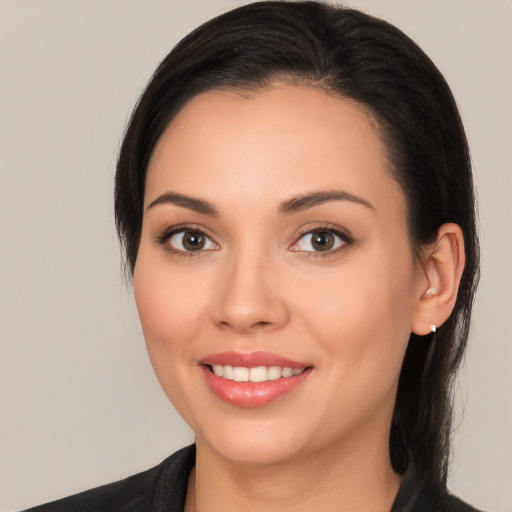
(259, 285)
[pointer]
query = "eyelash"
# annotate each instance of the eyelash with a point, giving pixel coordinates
(342, 235)
(175, 230)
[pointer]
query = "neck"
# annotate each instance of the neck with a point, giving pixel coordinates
(345, 480)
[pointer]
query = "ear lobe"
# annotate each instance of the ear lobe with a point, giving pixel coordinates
(442, 267)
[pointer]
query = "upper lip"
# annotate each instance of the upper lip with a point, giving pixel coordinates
(251, 360)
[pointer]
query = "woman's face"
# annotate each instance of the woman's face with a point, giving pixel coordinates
(274, 236)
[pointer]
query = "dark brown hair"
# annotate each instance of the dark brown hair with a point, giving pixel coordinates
(356, 56)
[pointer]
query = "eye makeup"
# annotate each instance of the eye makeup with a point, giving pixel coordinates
(192, 239)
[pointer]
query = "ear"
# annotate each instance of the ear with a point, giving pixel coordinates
(438, 281)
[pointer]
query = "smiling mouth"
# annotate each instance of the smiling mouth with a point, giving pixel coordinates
(255, 374)
(253, 379)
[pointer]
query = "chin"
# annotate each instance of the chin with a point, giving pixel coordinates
(257, 443)
(245, 453)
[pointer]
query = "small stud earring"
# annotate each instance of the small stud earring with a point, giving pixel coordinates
(430, 291)
(433, 328)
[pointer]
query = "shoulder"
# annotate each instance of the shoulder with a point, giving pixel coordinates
(132, 493)
(441, 500)
(454, 504)
(152, 490)
(428, 500)
(419, 494)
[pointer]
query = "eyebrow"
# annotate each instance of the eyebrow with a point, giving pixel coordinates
(305, 201)
(293, 205)
(192, 203)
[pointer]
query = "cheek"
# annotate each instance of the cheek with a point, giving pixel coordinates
(361, 317)
(169, 309)
(169, 315)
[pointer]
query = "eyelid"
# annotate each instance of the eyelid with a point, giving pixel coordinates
(168, 233)
(341, 233)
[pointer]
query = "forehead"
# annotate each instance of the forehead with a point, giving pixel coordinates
(278, 141)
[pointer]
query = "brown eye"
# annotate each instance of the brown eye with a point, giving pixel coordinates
(190, 241)
(193, 241)
(322, 241)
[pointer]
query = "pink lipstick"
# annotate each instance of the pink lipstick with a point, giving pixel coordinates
(252, 379)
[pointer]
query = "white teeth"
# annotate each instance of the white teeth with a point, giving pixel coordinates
(274, 373)
(240, 374)
(227, 372)
(287, 372)
(256, 374)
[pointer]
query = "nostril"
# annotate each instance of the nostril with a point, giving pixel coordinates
(259, 324)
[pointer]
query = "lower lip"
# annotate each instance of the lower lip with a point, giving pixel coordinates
(252, 394)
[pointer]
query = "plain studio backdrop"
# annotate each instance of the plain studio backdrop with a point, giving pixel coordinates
(80, 405)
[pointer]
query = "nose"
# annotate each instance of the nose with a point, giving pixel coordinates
(248, 298)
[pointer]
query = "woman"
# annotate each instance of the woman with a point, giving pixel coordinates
(295, 201)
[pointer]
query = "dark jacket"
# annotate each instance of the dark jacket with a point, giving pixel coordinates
(164, 488)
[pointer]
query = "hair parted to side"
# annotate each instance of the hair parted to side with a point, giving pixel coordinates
(350, 54)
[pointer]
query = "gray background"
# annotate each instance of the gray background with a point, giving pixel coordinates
(79, 405)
